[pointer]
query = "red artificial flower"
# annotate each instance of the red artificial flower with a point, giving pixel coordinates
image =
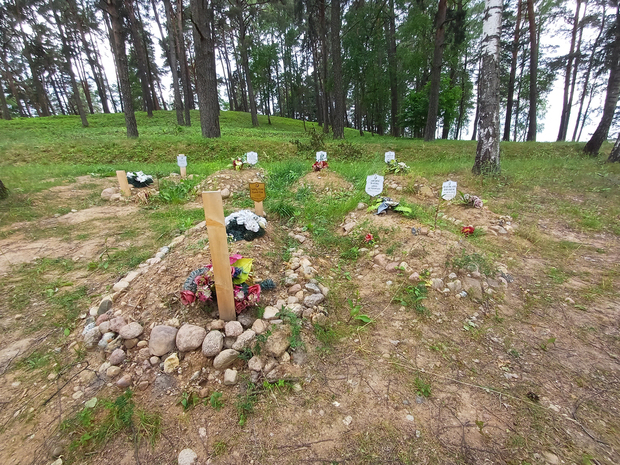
(369, 238)
(240, 306)
(253, 294)
(319, 165)
(467, 230)
(187, 297)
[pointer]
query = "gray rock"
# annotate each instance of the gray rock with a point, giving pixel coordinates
(154, 360)
(297, 309)
(230, 377)
(212, 344)
(225, 358)
(314, 299)
(102, 318)
(190, 337)
(229, 341)
(473, 287)
(88, 327)
(278, 342)
(270, 364)
(225, 193)
(270, 313)
(361, 206)
(313, 288)
(415, 276)
(391, 267)
(104, 306)
(91, 338)
(455, 286)
(246, 319)
(216, 324)
(131, 343)
(233, 329)
(260, 326)
(106, 339)
(256, 363)
(162, 340)
(117, 357)
(112, 372)
(244, 340)
(324, 289)
(124, 382)
(284, 371)
(349, 226)
(117, 323)
(131, 331)
(437, 283)
(299, 357)
(104, 327)
(187, 456)
(109, 192)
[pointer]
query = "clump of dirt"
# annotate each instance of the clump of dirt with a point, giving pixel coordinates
(325, 181)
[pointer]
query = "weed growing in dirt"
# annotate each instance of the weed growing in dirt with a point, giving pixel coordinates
(355, 312)
(35, 361)
(412, 297)
(215, 400)
(189, 400)
(422, 387)
(295, 323)
(93, 427)
(245, 402)
(219, 448)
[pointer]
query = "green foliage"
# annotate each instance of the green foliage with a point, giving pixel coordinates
(346, 151)
(422, 386)
(412, 297)
(219, 448)
(178, 192)
(314, 143)
(245, 402)
(216, 400)
(189, 400)
(355, 312)
(327, 337)
(293, 320)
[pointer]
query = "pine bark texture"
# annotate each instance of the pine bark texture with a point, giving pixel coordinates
(4, 192)
(531, 130)
(338, 122)
(122, 68)
(513, 74)
(186, 83)
(611, 99)
(206, 79)
(433, 98)
(614, 156)
(487, 153)
(172, 57)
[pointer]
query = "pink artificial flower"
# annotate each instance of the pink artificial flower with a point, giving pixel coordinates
(237, 164)
(239, 294)
(368, 238)
(234, 257)
(319, 165)
(240, 306)
(253, 294)
(187, 297)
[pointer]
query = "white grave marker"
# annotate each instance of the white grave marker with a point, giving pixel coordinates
(182, 162)
(448, 190)
(321, 156)
(252, 158)
(390, 156)
(374, 185)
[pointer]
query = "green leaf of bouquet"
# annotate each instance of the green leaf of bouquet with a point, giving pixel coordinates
(246, 265)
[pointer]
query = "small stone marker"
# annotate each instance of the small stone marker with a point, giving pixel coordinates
(390, 156)
(448, 190)
(122, 182)
(252, 158)
(218, 240)
(321, 156)
(258, 194)
(182, 162)
(374, 185)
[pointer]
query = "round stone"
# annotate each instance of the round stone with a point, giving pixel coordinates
(131, 331)
(190, 337)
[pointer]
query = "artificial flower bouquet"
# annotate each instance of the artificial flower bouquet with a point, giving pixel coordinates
(319, 165)
(471, 200)
(139, 179)
(200, 285)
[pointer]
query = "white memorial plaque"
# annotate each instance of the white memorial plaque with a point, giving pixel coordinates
(389, 156)
(252, 158)
(181, 161)
(374, 185)
(448, 190)
(321, 156)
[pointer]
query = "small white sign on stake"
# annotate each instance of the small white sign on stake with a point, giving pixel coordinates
(390, 156)
(181, 160)
(448, 190)
(252, 158)
(321, 156)
(374, 185)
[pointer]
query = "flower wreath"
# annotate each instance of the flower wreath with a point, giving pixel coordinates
(139, 179)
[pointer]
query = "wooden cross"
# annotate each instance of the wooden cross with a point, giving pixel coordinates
(218, 243)
(122, 182)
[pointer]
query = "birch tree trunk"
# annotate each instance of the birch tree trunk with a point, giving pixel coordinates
(487, 152)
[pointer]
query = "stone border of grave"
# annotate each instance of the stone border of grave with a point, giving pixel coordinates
(135, 360)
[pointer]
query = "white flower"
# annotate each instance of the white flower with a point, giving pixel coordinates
(251, 221)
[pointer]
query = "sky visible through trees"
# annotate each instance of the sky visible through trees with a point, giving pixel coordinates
(280, 58)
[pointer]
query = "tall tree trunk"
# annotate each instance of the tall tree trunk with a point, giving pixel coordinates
(433, 98)
(151, 78)
(40, 96)
(614, 156)
(245, 62)
(85, 85)
(104, 79)
(206, 79)
(474, 133)
(6, 114)
(323, 33)
(586, 79)
(58, 97)
(118, 41)
(339, 110)
(531, 131)
(141, 58)
(66, 51)
(393, 70)
(611, 99)
(172, 60)
(487, 152)
(186, 82)
(565, 116)
(513, 73)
